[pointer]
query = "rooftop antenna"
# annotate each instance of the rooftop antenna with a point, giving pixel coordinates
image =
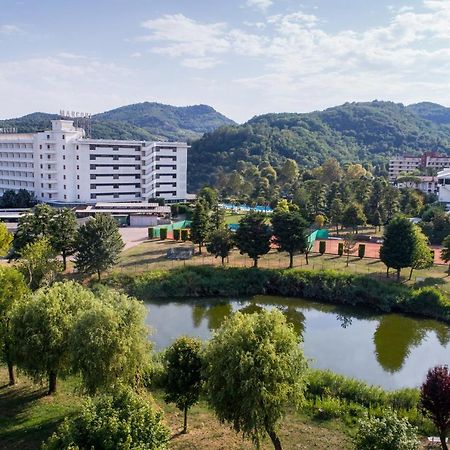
(80, 120)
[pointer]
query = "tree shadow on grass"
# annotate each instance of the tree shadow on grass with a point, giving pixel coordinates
(430, 281)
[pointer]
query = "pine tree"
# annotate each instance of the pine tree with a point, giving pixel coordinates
(200, 225)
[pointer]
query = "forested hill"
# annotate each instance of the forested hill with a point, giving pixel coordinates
(353, 132)
(431, 111)
(142, 121)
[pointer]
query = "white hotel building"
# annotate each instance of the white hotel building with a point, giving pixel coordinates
(62, 166)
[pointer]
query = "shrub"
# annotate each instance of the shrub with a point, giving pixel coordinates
(322, 247)
(430, 302)
(112, 422)
(386, 433)
(151, 233)
(176, 234)
(184, 234)
(361, 250)
(340, 248)
(163, 233)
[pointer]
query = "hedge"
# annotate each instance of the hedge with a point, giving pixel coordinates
(176, 234)
(151, 232)
(184, 234)
(340, 249)
(326, 286)
(322, 247)
(163, 233)
(361, 250)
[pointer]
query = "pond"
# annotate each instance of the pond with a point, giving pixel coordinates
(392, 350)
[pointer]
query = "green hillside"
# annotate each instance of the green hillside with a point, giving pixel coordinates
(142, 121)
(187, 122)
(431, 111)
(353, 132)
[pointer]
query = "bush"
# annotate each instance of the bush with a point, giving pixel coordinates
(176, 234)
(163, 233)
(430, 302)
(340, 248)
(151, 233)
(322, 247)
(185, 234)
(386, 433)
(112, 422)
(327, 286)
(361, 250)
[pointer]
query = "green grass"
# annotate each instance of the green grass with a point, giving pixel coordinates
(151, 255)
(28, 417)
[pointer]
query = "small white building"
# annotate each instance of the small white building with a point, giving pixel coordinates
(62, 166)
(425, 184)
(444, 187)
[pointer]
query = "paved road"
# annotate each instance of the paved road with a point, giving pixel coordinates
(133, 236)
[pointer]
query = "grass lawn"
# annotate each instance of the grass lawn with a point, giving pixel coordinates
(28, 416)
(151, 255)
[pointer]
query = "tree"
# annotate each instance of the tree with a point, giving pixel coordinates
(183, 374)
(253, 236)
(445, 252)
(435, 400)
(330, 171)
(20, 199)
(32, 227)
(353, 216)
(319, 221)
(208, 196)
(200, 225)
(355, 171)
(289, 230)
(13, 289)
(254, 368)
(42, 330)
(120, 421)
(217, 217)
(6, 239)
(349, 246)
(98, 245)
(63, 233)
(220, 243)
(336, 212)
(422, 255)
(109, 342)
(38, 263)
(289, 171)
(399, 244)
(386, 433)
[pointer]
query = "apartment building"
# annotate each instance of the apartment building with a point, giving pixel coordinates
(62, 166)
(402, 164)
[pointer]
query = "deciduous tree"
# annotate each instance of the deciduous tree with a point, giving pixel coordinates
(13, 289)
(289, 230)
(445, 252)
(38, 263)
(200, 225)
(435, 400)
(220, 244)
(254, 368)
(109, 342)
(353, 216)
(399, 244)
(63, 233)
(422, 254)
(98, 245)
(253, 236)
(42, 330)
(183, 374)
(6, 239)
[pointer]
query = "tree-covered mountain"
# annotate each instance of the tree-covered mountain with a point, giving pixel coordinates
(142, 121)
(354, 132)
(431, 111)
(185, 122)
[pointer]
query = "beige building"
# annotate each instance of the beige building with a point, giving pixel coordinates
(403, 164)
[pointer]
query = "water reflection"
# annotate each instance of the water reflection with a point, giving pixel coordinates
(397, 335)
(391, 350)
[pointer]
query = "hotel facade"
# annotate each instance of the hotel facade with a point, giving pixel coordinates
(63, 166)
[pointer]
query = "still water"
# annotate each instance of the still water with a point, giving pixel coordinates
(391, 350)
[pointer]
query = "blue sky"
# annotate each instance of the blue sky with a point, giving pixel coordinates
(243, 57)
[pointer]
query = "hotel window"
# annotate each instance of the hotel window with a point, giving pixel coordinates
(78, 167)
(78, 177)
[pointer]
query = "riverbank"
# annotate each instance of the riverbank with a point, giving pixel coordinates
(325, 286)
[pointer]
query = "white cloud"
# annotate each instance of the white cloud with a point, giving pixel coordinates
(9, 29)
(261, 4)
